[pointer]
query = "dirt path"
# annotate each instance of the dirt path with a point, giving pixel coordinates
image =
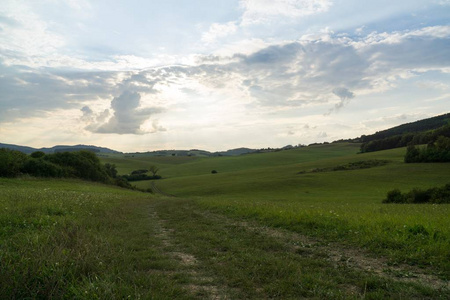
(199, 284)
(156, 190)
(338, 254)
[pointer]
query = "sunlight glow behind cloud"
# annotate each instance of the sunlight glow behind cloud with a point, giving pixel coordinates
(257, 74)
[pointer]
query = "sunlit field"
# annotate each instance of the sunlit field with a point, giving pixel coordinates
(298, 223)
(284, 189)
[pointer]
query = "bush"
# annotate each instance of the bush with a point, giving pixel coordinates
(122, 182)
(417, 196)
(43, 168)
(213, 172)
(11, 162)
(139, 172)
(37, 154)
(438, 151)
(394, 196)
(81, 164)
(138, 177)
(440, 195)
(437, 195)
(111, 170)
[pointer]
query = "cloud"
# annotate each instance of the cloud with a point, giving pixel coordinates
(263, 11)
(322, 135)
(28, 92)
(90, 117)
(127, 117)
(88, 114)
(156, 127)
(304, 72)
(25, 35)
(345, 95)
(217, 31)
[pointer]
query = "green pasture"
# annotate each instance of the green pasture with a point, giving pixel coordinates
(189, 166)
(79, 240)
(281, 189)
(70, 239)
(62, 238)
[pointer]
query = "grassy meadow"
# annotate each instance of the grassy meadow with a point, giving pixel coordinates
(301, 223)
(282, 189)
(79, 240)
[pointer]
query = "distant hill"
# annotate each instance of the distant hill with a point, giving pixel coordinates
(417, 126)
(415, 133)
(23, 149)
(237, 151)
(59, 148)
(196, 152)
(418, 132)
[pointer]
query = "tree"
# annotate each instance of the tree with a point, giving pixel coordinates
(11, 162)
(443, 143)
(153, 169)
(37, 154)
(111, 170)
(412, 154)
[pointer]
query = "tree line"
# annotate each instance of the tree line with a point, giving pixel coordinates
(438, 151)
(436, 195)
(403, 140)
(137, 175)
(81, 164)
(417, 126)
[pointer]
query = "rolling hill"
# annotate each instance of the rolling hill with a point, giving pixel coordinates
(59, 148)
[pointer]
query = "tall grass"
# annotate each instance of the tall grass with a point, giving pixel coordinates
(338, 205)
(73, 239)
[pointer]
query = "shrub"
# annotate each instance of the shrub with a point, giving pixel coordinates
(394, 196)
(139, 172)
(440, 195)
(213, 172)
(111, 170)
(438, 151)
(37, 154)
(122, 182)
(43, 168)
(11, 162)
(417, 196)
(138, 177)
(82, 164)
(437, 195)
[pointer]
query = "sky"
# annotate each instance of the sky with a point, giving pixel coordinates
(218, 74)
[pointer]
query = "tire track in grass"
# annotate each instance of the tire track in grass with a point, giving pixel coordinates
(199, 284)
(156, 190)
(339, 255)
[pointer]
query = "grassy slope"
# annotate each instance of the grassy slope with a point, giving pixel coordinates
(341, 205)
(74, 239)
(65, 238)
(189, 166)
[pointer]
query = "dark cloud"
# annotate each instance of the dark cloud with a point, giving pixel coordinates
(276, 54)
(291, 74)
(410, 52)
(127, 117)
(88, 114)
(90, 117)
(344, 95)
(30, 92)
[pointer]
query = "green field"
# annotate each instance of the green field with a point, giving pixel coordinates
(282, 225)
(339, 205)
